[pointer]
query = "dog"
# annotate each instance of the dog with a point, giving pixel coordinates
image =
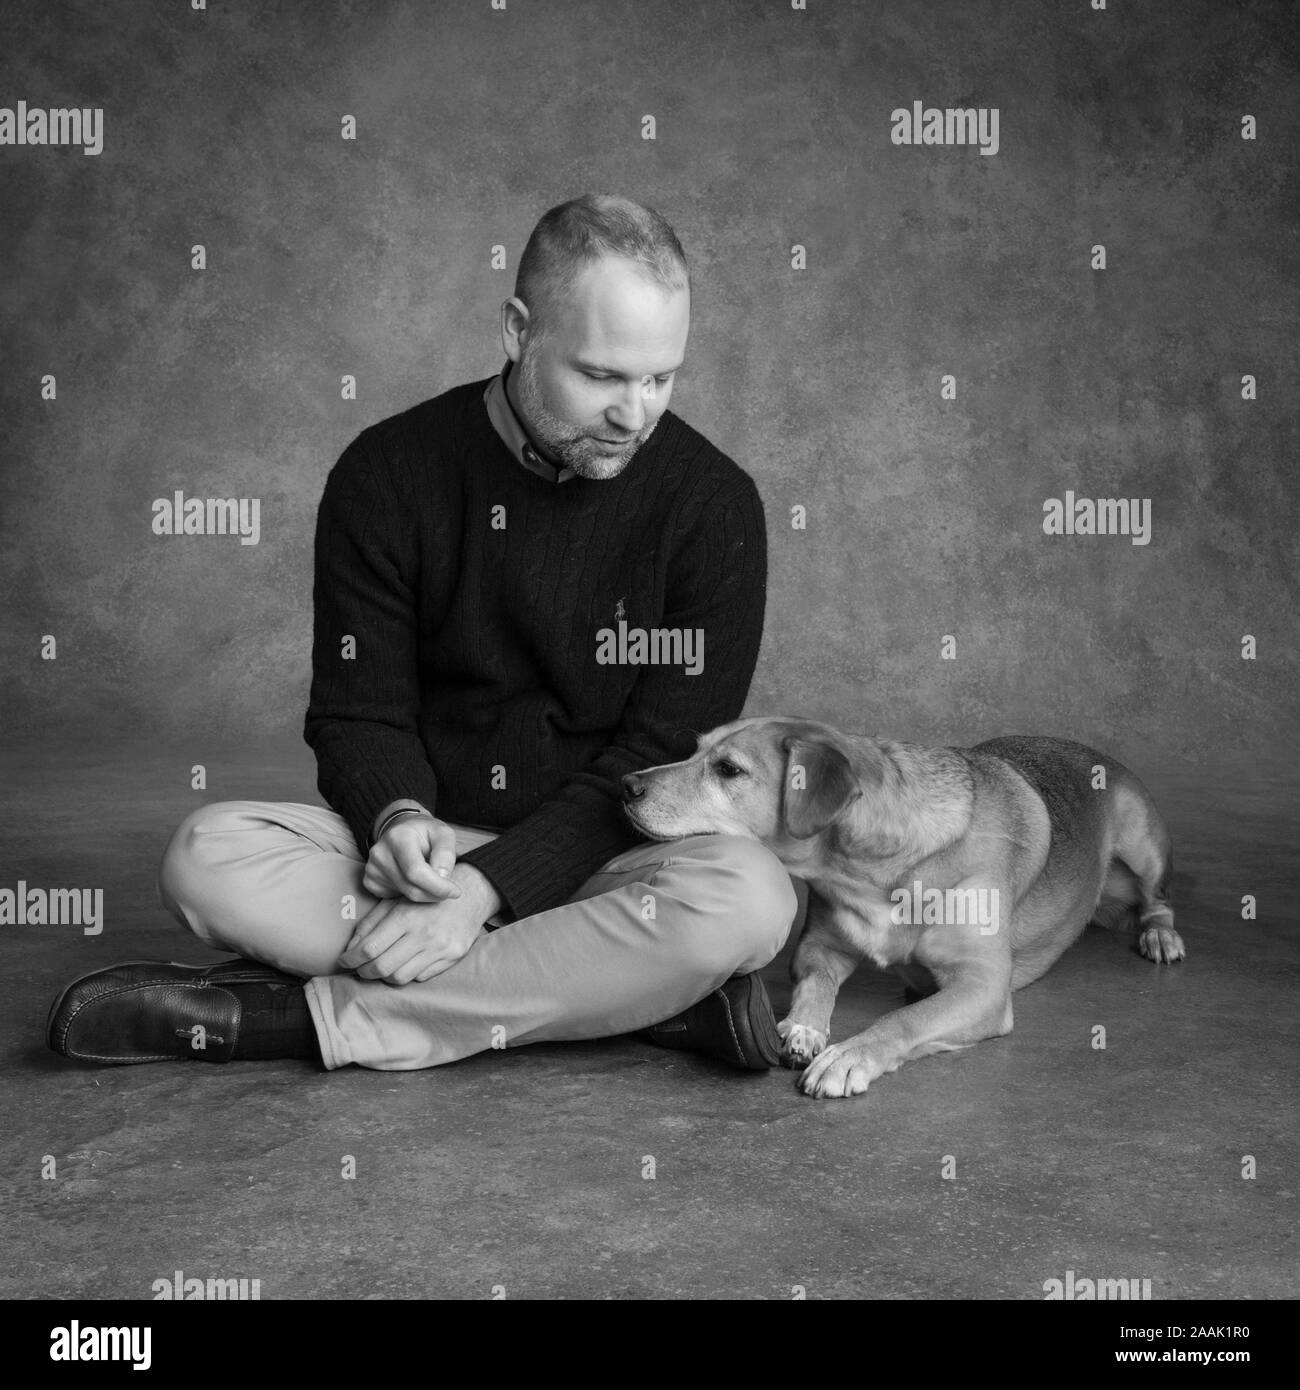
(968, 871)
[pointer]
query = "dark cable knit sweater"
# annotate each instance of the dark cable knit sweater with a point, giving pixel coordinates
(474, 592)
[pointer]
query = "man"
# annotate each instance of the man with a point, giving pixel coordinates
(526, 589)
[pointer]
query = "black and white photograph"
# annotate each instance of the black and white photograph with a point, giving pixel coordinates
(650, 655)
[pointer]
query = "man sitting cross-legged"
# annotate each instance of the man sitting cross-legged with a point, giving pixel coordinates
(526, 588)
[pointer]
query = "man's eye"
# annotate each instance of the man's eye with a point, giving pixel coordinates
(726, 769)
(662, 380)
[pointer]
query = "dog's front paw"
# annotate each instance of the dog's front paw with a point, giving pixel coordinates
(1161, 944)
(840, 1070)
(800, 1043)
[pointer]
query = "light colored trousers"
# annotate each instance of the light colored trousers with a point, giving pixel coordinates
(649, 934)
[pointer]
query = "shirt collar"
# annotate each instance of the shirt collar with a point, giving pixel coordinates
(511, 429)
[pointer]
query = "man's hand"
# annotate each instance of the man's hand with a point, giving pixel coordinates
(399, 941)
(413, 859)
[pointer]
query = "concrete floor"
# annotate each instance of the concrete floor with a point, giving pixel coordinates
(524, 1169)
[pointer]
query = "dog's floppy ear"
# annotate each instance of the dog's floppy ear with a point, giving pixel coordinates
(819, 786)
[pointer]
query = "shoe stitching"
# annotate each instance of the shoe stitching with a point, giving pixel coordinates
(62, 1034)
(731, 1024)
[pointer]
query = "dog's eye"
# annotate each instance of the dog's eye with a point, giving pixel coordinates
(725, 769)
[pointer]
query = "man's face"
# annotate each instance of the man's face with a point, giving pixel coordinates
(604, 369)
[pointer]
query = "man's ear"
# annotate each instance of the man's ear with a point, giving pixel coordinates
(819, 786)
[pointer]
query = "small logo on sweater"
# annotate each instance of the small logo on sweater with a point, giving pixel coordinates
(619, 611)
(656, 646)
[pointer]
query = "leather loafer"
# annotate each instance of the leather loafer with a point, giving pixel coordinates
(735, 1023)
(154, 1011)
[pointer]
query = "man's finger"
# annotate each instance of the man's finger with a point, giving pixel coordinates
(366, 925)
(414, 968)
(374, 933)
(385, 966)
(442, 854)
(381, 876)
(378, 886)
(420, 877)
(442, 891)
(439, 958)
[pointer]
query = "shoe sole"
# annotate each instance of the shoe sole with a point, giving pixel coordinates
(760, 1019)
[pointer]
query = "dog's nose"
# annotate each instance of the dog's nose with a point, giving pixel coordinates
(633, 787)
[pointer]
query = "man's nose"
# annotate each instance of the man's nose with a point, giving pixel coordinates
(629, 413)
(633, 787)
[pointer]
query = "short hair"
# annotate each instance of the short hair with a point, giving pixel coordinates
(572, 235)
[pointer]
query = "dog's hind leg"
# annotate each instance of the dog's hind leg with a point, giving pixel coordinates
(918, 983)
(1137, 879)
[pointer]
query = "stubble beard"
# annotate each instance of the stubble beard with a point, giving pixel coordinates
(572, 446)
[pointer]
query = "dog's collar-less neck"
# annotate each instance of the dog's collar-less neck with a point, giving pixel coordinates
(924, 823)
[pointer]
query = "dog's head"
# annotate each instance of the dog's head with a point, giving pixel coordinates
(779, 780)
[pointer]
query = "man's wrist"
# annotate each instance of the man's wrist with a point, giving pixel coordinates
(392, 811)
(474, 882)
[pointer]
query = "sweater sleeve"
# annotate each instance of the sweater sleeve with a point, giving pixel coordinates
(717, 584)
(362, 716)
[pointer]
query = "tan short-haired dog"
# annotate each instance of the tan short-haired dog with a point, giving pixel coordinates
(967, 870)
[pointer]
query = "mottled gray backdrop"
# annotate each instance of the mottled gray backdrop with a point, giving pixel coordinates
(372, 258)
